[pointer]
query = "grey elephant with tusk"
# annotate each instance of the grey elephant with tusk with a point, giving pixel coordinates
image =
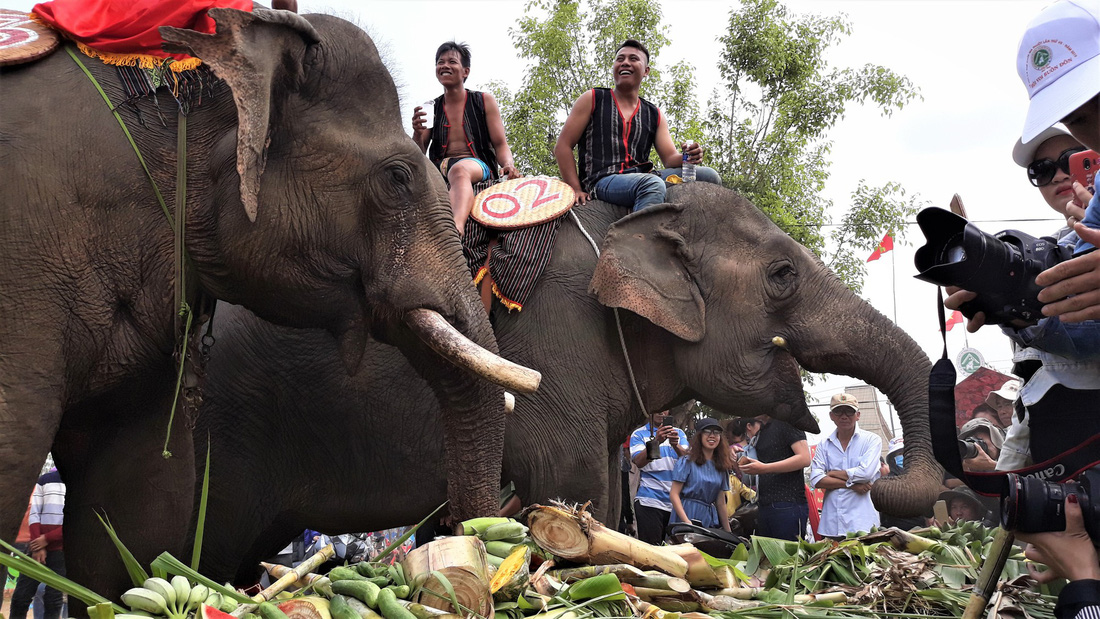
(305, 202)
(718, 304)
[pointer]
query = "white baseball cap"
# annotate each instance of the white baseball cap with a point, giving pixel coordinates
(1059, 62)
(1024, 154)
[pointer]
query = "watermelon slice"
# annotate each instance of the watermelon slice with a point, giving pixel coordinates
(309, 607)
(207, 611)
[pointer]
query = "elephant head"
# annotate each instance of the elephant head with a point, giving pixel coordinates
(747, 306)
(345, 225)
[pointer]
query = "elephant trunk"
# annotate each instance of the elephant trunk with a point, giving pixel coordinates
(859, 341)
(444, 339)
(472, 410)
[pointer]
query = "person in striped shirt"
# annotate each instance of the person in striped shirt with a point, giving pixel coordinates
(613, 131)
(44, 520)
(653, 504)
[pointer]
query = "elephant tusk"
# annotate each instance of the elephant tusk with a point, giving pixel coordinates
(450, 344)
(509, 402)
(780, 341)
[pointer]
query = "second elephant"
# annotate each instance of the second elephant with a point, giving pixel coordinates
(709, 285)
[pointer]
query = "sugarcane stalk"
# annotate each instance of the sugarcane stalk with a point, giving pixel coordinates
(622, 570)
(650, 594)
(674, 605)
(576, 535)
(994, 564)
(719, 602)
(743, 593)
(287, 579)
(651, 611)
(836, 597)
(670, 583)
(319, 582)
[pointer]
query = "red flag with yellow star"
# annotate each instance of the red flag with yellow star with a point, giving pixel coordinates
(885, 245)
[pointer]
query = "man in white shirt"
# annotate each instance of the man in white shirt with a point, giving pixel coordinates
(845, 465)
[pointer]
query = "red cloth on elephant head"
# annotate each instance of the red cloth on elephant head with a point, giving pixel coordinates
(129, 27)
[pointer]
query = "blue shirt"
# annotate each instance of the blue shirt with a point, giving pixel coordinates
(703, 486)
(1092, 220)
(655, 482)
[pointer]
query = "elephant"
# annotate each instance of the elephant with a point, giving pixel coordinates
(717, 304)
(345, 227)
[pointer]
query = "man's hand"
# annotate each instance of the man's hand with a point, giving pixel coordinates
(38, 543)
(40, 556)
(582, 197)
(955, 298)
(510, 171)
(753, 467)
(421, 132)
(1078, 279)
(1069, 553)
(668, 433)
(860, 488)
(693, 151)
(980, 463)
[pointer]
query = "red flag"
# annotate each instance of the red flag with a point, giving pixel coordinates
(956, 318)
(884, 246)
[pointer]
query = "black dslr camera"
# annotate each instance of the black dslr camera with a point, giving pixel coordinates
(1034, 505)
(969, 447)
(1000, 268)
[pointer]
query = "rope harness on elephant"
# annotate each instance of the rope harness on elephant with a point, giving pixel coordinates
(618, 322)
(184, 314)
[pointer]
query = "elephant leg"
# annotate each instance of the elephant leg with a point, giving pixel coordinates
(30, 414)
(614, 491)
(118, 471)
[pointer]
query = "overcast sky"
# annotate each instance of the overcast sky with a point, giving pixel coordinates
(960, 53)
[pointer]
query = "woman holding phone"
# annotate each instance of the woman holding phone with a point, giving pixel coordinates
(701, 479)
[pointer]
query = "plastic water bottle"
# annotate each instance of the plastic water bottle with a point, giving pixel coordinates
(687, 169)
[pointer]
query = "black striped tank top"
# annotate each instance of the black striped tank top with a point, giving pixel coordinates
(474, 124)
(611, 143)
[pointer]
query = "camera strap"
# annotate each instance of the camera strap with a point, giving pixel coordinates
(941, 418)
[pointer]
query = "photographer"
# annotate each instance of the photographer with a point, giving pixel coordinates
(655, 447)
(987, 438)
(1070, 555)
(1058, 362)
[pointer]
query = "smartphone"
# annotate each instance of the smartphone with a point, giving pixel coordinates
(666, 421)
(1083, 167)
(940, 512)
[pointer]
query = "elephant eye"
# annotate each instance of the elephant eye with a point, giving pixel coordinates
(782, 277)
(399, 174)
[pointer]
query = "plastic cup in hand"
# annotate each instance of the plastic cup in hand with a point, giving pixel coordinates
(429, 109)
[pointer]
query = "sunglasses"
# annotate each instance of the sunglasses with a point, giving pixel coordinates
(710, 432)
(844, 412)
(1041, 172)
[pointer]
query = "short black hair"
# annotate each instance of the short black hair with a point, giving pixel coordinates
(636, 45)
(451, 46)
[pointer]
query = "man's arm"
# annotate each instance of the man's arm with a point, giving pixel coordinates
(666, 148)
(571, 134)
(867, 469)
(498, 137)
(817, 465)
(796, 462)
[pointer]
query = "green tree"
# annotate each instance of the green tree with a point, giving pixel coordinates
(768, 122)
(570, 47)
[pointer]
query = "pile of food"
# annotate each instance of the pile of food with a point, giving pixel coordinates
(558, 562)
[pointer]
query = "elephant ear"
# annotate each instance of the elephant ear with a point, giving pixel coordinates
(249, 51)
(643, 267)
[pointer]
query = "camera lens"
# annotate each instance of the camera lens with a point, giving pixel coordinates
(953, 254)
(1034, 505)
(968, 449)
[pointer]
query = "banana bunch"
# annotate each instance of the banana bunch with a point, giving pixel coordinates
(158, 597)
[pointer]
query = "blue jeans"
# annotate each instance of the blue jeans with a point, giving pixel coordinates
(782, 520)
(638, 190)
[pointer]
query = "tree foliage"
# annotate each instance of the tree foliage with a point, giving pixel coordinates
(570, 47)
(765, 126)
